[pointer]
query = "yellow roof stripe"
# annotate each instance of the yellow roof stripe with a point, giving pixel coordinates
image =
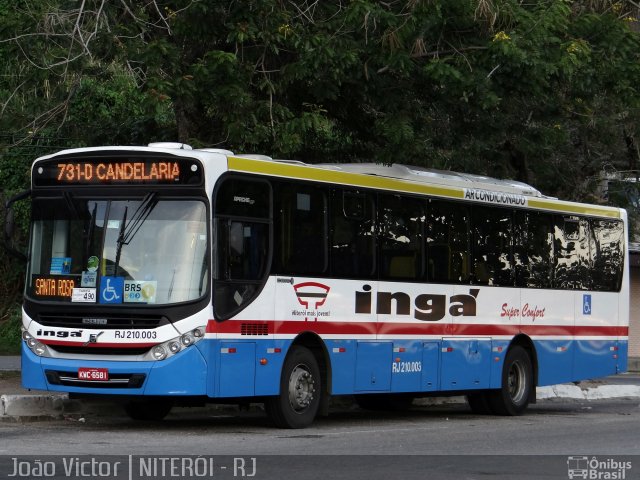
(304, 172)
(308, 172)
(578, 208)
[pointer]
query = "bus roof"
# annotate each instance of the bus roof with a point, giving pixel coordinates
(413, 179)
(395, 177)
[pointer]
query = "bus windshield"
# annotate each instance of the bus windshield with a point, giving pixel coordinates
(139, 252)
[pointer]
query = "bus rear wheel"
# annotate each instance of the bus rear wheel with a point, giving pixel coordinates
(517, 382)
(148, 410)
(479, 403)
(300, 391)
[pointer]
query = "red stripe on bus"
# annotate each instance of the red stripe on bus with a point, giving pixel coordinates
(390, 328)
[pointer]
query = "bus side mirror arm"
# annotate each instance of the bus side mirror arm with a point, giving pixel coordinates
(9, 225)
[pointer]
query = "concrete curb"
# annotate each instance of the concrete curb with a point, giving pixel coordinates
(18, 406)
(575, 392)
(56, 406)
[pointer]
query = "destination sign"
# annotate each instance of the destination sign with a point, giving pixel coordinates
(53, 287)
(118, 172)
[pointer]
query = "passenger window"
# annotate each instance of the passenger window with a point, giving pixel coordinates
(608, 254)
(352, 240)
(301, 230)
(401, 221)
(492, 258)
(533, 250)
(573, 257)
(447, 240)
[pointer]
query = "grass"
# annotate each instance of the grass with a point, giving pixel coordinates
(10, 334)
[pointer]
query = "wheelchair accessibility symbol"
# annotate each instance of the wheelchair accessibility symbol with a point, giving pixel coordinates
(111, 289)
(586, 304)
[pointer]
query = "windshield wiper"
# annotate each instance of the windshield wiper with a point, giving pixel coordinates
(70, 200)
(129, 230)
(88, 233)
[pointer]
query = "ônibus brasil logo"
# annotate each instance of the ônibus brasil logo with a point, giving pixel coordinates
(311, 293)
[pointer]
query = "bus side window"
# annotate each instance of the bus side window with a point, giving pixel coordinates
(533, 250)
(300, 229)
(492, 258)
(447, 240)
(573, 257)
(401, 221)
(608, 254)
(352, 240)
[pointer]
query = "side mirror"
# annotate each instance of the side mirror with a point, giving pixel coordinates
(9, 225)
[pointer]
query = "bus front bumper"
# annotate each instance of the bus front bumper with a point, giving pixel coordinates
(184, 374)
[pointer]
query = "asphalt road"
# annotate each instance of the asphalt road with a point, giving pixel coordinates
(443, 442)
(426, 442)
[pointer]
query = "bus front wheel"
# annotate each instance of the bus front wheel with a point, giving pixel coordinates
(300, 391)
(517, 382)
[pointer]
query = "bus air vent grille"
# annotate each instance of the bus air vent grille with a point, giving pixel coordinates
(111, 321)
(254, 329)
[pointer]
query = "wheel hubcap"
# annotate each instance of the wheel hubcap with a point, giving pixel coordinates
(517, 382)
(301, 388)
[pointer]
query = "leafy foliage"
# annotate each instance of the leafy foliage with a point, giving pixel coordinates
(545, 92)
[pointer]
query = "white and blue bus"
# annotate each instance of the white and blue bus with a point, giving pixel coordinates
(166, 275)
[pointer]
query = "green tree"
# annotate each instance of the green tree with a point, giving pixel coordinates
(545, 92)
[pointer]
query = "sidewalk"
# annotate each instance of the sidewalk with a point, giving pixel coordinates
(9, 363)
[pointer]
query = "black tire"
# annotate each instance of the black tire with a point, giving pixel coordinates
(386, 402)
(479, 403)
(300, 391)
(148, 410)
(517, 382)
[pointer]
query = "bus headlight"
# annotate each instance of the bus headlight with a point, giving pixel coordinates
(158, 352)
(174, 347)
(171, 347)
(187, 339)
(34, 345)
(198, 332)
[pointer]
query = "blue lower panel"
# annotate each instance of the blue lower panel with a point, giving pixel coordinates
(342, 355)
(373, 367)
(32, 374)
(253, 367)
(406, 368)
(623, 356)
(237, 363)
(182, 374)
(466, 364)
(594, 358)
(270, 358)
(245, 368)
(555, 361)
(498, 352)
(430, 381)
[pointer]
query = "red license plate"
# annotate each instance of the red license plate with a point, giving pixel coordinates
(93, 374)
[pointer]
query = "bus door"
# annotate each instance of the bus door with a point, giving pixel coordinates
(242, 247)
